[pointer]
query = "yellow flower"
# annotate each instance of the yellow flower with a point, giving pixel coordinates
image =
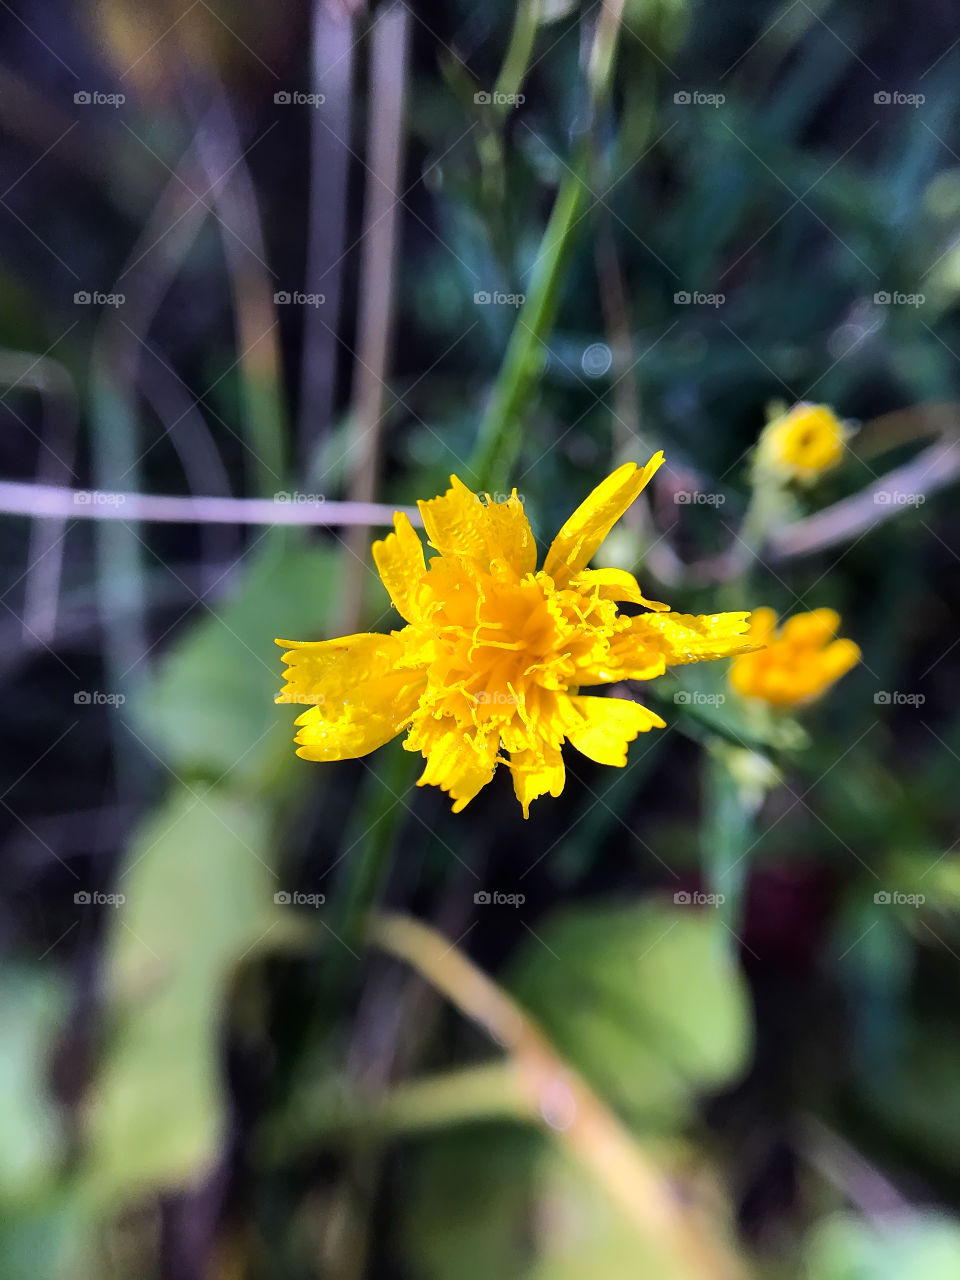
(802, 444)
(495, 652)
(799, 662)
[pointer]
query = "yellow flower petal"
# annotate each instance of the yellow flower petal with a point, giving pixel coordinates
(459, 523)
(839, 658)
(630, 657)
(575, 544)
(509, 536)
(614, 584)
(815, 629)
(762, 624)
(687, 637)
(798, 662)
(461, 764)
(536, 773)
(357, 694)
(601, 727)
(400, 563)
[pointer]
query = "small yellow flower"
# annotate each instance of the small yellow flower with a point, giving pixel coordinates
(802, 444)
(495, 652)
(799, 662)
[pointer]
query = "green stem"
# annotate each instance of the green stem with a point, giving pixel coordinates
(500, 435)
(525, 26)
(463, 1095)
(736, 782)
(380, 809)
(727, 828)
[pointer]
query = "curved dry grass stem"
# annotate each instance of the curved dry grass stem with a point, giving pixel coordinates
(588, 1129)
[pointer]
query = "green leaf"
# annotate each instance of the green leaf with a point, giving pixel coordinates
(210, 707)
(52, 1240)
(31, 1005)
(498, 1201)
(468, 1202)
(914, 1100)
(198, 899)
(645, 1000)
(921, 1246)
(580, 1235)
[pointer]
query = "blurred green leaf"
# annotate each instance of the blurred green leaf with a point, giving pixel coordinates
(31, 1005)
(199, 898)
(645, 1000)
(496, 1201)
(468, 1203)
(210, 707)
(921, 1247)
(580, 1235)
(915, 1099)
(48, 1240)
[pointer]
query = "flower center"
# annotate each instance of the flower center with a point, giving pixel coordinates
(496, 636)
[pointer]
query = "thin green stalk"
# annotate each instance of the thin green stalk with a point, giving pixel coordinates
(119, 555)
(500, 436)
(381, 808)
(490, 1091)
(526, 23)
(737, 781)
(490, 143)
(726, 836)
